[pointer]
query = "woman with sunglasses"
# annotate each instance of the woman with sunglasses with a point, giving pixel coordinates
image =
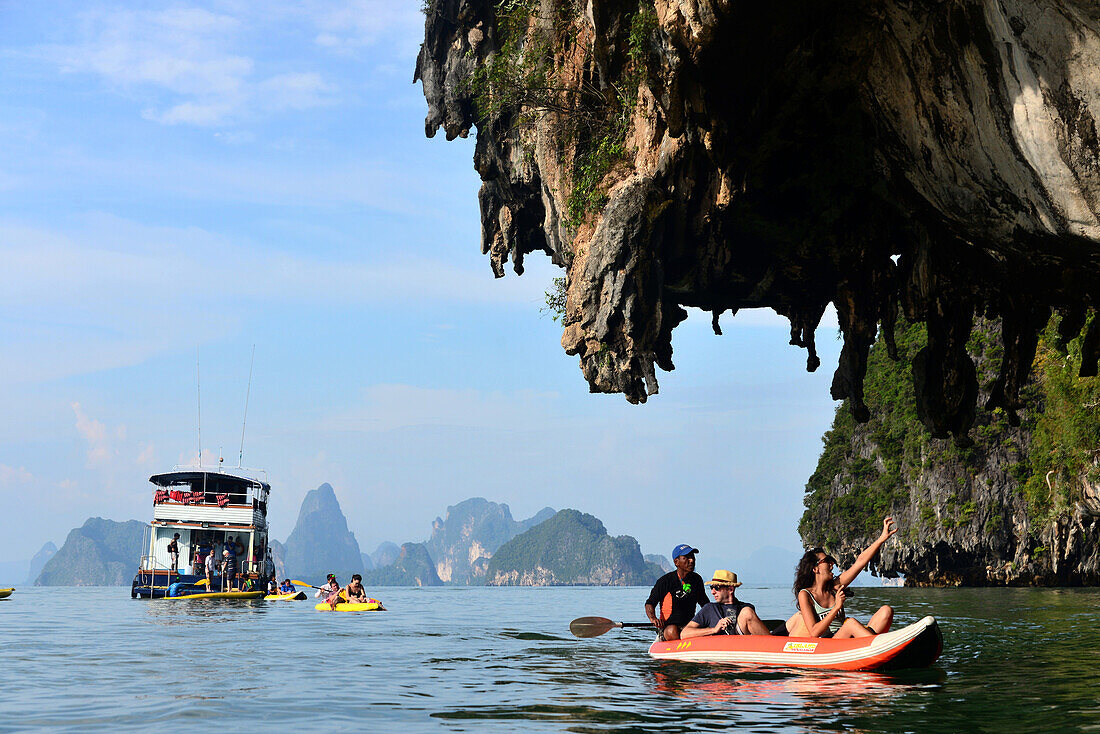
(821, 595)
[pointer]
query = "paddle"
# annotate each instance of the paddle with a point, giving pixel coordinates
(596, 626)
(322, 588)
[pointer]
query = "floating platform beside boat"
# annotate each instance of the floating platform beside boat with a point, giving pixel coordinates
(291, 596)
(5, 593)
(916, 646)
(216, 595)
(372, 606)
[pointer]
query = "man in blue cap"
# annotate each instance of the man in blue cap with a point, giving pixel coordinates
(671, 603)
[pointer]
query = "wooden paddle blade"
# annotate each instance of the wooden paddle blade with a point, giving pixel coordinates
(591, 626)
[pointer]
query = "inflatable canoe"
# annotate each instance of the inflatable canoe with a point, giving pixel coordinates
(371, 606)
(217, 595)
(915, 646)
(5, 593)
(289, 596)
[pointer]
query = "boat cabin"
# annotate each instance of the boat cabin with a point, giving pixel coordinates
(212, 511)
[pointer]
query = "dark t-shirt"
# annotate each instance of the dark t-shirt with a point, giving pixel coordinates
(712, 613)
(173, 547)
(684, 595)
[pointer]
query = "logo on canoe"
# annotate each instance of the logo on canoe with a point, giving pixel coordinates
(799, 646)
(683, 645)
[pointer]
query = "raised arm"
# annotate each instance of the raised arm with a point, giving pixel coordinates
(889, 527)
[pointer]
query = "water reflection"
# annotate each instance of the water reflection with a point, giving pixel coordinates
(197, 612)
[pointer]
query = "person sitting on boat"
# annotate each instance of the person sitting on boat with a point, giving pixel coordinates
(821, 595)
(287, 587)
(726, 615)
(355, 592)
(676, 594)
(273, 585)
(248, 583)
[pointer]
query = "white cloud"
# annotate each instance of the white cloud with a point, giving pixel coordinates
(146, 457)
(347, 26)
(298, 91)
(189, 64)
(9, 475)
(101, 442)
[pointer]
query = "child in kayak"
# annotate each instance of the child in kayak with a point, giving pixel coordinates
(330, 592)
(821, 595)
(287, 587)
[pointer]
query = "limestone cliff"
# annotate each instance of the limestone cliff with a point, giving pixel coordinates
(941, 156)
(321, 542)
(571, 548)
(412, 567)
(473, 530)
(98, 553)
(1021, 506)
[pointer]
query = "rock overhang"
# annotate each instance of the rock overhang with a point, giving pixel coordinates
(937, 159)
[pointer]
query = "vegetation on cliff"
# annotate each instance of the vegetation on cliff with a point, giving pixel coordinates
(1017, 506)
(571, 548)
(412, 567)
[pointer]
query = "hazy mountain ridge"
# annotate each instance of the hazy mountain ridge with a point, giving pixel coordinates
(98, 553)
(412, 567)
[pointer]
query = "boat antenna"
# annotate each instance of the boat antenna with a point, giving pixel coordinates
(247, 394)
(198, 394)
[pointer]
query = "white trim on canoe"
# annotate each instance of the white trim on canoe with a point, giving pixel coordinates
(807, 657)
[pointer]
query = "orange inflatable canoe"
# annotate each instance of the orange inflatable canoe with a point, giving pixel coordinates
(915, 646)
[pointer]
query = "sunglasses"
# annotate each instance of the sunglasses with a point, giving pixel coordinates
(830, 561)
(716, 587)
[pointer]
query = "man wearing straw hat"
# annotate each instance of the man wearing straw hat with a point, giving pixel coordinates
(726, 615)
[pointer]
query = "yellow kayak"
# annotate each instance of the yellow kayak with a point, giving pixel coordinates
(218, 595)
(5, 593)
(290, 596)
(372, 606)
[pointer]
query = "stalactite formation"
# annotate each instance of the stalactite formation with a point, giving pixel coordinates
(941, 157)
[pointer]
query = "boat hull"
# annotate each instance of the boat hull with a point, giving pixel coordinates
(291, 596)
(915, 646)
(372, 606)
(5, 593)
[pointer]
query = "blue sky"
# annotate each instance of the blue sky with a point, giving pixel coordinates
(188, 177)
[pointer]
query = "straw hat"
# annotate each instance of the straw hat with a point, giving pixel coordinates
(722, 577)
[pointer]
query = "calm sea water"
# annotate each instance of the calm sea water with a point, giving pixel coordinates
(485, 659)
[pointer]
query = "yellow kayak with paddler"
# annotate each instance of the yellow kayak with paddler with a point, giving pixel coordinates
(372, 605)
(5, 593)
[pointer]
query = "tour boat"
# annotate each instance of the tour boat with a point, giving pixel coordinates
(212, 509)
(915, 646)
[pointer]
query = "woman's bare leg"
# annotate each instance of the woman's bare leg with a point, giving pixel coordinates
(796, 627)
(852, 628)
(882, 619)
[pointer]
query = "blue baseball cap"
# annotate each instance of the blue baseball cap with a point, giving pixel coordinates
(683, 550)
